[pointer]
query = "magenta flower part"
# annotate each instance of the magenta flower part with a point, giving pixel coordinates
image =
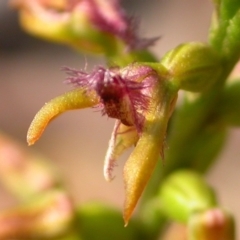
(108, 16)
(121, 96)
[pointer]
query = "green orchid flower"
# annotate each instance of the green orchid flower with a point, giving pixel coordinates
(137, 96)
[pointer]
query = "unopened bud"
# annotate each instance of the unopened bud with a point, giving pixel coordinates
(213, 224)
(193, 66)
(48, 217)
(183, 193)
(24, 174)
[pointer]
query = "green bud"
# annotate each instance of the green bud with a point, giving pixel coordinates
(101, 222)
(214, 224)
(183, 193)
(193, 66)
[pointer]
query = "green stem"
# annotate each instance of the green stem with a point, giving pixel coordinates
(122, 57)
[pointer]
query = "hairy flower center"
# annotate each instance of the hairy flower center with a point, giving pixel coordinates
(114, 95)
(121, 95)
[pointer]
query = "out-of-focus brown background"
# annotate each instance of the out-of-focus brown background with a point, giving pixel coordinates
(77, 141)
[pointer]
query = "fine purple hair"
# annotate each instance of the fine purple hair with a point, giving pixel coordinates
(123, 97)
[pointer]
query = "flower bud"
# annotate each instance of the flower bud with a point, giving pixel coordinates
(47, 217)
(213, 224)
(183, 193)
(193, 66)
(24, 174)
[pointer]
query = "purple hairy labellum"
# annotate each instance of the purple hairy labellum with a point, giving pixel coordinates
(121, 96)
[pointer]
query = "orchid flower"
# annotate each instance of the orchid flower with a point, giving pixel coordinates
(90, 25)
(137, 97)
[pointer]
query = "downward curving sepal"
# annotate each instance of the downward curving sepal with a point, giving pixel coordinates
(142, 161)
(75, 99)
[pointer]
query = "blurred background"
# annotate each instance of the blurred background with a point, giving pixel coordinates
(77, 141)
